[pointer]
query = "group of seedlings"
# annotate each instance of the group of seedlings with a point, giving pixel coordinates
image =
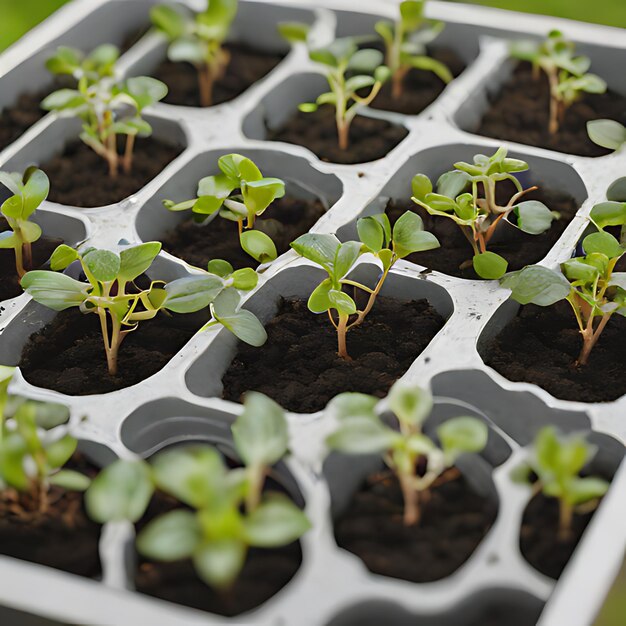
(223, 505)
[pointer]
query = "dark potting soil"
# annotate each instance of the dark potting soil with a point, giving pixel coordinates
(247, 65)
(283, 221)
(454, 521)
(67, 355)
(80, 178)
(299, 366)
(265, 573)
(370, 139)
(17, 118)
(9, 281)
(541, 346)
(421, 88)
(62, 536)
(520, 112)
(518, 248)
(539, 540)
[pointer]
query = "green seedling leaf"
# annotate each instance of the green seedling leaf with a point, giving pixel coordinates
(617, 190)
(409, 235)
(258, 245)
(537, 285)
(260, 432)
(121, 491)
(489, 265)
(461, 435)
(242, 323)
(70, 480)
(604, 243)
(276, 522)
(136, 260)
(361, 435)
(219, 562)
(192, 293)
(173, 536)
(294, 32)
(219, 267)
(319, 248)
(56, 291)
(607, 133)
(412, 405)
(103, 264)
(533, 217)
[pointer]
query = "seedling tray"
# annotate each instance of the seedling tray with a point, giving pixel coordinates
(182, 401)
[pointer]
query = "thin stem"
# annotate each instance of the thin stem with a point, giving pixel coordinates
(590, 338)
(566, 515)
(19, 261)
(553, 124)
(372, 299)
(128, 154)
(332, 321)
(411, 500)
(205, 84)
(342, 328)
(256, 477)
(358, 285)
(27, 249)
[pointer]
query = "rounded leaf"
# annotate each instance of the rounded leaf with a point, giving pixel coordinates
(104, 265)
(411, 404)
(121, 491)
(489, 265)
(219, 562)
(462, 434)
(258, 245)
(533, 217)
(607, 133)
(275, 522)
(170, 537)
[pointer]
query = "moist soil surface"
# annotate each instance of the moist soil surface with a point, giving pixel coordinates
(17, 118)
(9, 281)
(67, 355)
(265, 573)
(541, 346)
(517, 247)
(62, 537)
(79, 177)
(454, 521)
(370, 139)
(520, 112)
(421, 88)
(247, 65)
(284, 221)
(299, 366)
(539, 541)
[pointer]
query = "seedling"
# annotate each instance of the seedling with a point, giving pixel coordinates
(198, 38)
(457, 198)
(226, 511)
(239, 194)
(418, 461)
(29, 191)
(405, 44)
(366, 70)
(34, 447)
(337, 260)
(554, 469)
(567, 74)
(589, 283)
(608, 134)
(107, 107)
(110, 291)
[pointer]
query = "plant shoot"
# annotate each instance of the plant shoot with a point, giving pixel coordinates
(29, 191)
(467, 195)
(337, 259)
(239, 194)
(418, 461)
(198, 38)
(567, 73)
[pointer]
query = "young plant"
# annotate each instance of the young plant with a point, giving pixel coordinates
(98, 64)
(348, 71)
(110, 291)
(405, 44)
(337, 259)
(34, 447)
(418, 461)
(554, 469)
(567, 73)
(29, 191)
(239, 194)
(457, 198)
(108, 108)
(608, 134)
(588, 282)
(197, 38)
(225, 511)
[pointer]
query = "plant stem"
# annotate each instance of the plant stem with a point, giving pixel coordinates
(590, 338)
(256, 480)
(566, 514)
(411, 500)
(19, 261)
(205, 84)
(128, 154)
(372, 299)
(342, 328)
(553, 79)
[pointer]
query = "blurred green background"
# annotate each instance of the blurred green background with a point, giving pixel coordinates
(18, 16)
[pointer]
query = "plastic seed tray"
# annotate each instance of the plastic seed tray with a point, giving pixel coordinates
(182, 402)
